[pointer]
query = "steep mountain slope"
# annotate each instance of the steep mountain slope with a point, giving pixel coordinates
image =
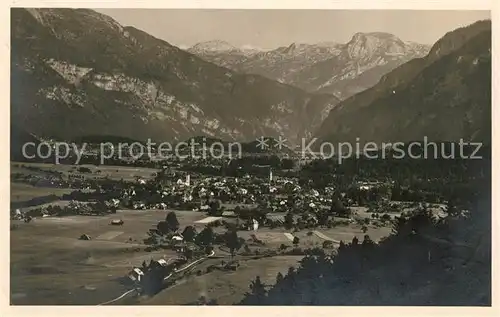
(444, 96)
(341, 69)
(78, 72)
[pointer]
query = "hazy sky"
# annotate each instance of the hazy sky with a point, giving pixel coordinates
(273, 28)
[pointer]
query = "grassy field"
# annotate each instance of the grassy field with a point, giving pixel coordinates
(24, 192)
(113, 172)
(50, 265)
(20, 193)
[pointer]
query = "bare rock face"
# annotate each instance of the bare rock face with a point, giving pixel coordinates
(78, 72)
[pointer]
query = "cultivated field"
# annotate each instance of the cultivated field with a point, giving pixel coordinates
(24, 192)
(113, 172)
(21, 192)
(50, 265)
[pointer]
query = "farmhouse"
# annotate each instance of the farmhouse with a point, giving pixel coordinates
(162, 262)
(136, 275)
(177, 238)
(17, 214)
(368, 185)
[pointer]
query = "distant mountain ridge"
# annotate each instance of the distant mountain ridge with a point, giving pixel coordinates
(76, 72)
(218, 47)
(221, 53)
(213, 46)
(444, 96)
(327, 67)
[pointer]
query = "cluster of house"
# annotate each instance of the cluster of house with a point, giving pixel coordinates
(186, 191)
(275, 194)
(161, 269)
(137, 274)
(367, 185)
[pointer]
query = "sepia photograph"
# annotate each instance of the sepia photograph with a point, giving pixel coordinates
(250, 157)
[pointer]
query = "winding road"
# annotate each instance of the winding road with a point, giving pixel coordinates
(324, 237)
(118, 298)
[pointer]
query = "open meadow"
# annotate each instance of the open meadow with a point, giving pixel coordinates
(24, 192)
(113, 172)
(49, 264)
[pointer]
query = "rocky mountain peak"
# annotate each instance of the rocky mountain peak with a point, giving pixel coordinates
(366, 45)
(214, 46)
(290, 49)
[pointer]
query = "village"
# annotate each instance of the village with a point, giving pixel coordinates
(173, 222)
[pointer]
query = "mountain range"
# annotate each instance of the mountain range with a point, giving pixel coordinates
(328, 67)
(76, 72)
(444, 96)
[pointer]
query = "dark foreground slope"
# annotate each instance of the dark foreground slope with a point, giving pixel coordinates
(449, 264)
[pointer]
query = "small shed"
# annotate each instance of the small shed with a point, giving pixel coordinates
(85, 237)
(116, 222)
(255, 224)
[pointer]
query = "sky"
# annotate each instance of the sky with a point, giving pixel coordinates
(269, 29)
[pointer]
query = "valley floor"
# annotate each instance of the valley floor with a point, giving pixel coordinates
(50, 265)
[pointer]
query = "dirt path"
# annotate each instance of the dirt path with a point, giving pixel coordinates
(324, 237)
